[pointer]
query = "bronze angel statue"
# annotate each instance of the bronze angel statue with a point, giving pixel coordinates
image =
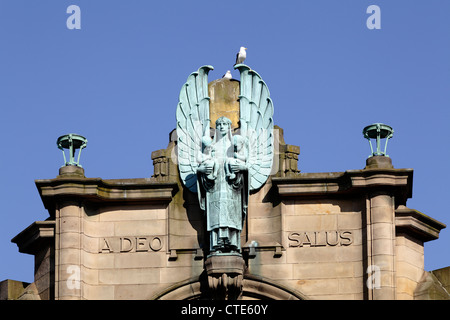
(224, 167)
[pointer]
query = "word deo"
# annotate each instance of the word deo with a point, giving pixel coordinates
(130, 244)
(320, 238)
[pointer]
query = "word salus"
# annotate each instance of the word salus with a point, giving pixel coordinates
(320, 238)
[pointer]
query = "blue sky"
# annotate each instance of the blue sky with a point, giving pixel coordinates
(117, 79)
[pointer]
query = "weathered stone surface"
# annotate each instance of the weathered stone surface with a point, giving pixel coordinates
(225, 275)
(224, 95)
(433, 285)
(378, 162)
(11, 289)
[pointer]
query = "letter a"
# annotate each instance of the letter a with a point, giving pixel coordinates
(374, 21)
(374, 278)
(74, 21)
(73, 281)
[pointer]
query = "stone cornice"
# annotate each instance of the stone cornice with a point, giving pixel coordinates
(351, 181)
(98, 190)
(417, 224)
(32, 238)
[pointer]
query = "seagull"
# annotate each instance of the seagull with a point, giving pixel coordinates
(240, 57)
(227, 75)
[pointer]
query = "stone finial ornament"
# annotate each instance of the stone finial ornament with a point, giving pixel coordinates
(71, 142)
(378, 131)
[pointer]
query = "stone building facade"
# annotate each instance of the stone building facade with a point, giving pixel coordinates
(337, 235)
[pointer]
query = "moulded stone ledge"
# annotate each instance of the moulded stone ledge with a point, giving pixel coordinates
(416, 223)
(305, 184)
(31, 239)
(96, 189)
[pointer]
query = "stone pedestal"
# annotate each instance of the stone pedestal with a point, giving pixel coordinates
(71, 171)
(379, 162)
(225, 275)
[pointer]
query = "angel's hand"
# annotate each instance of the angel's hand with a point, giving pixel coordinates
(205, 168)
(237, 166)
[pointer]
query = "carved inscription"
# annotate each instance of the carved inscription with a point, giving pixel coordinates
(130, 244)
(320, 238)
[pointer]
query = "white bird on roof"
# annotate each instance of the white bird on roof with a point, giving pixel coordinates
(227, 75)
(241, 55)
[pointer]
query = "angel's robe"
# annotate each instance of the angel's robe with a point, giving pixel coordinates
(224, 201)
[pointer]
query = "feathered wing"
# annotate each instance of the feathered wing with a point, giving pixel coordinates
(256, 121)
(192, 123)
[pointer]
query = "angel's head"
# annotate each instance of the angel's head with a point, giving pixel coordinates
(223, 125)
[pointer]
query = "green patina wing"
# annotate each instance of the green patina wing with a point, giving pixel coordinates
(256, 121)
(192, 123)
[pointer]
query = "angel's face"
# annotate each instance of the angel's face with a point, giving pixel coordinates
(222, 126)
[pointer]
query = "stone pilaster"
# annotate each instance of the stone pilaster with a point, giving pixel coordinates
(381, 246)
(68, 251)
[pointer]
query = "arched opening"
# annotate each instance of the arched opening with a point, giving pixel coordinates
(254, 288)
